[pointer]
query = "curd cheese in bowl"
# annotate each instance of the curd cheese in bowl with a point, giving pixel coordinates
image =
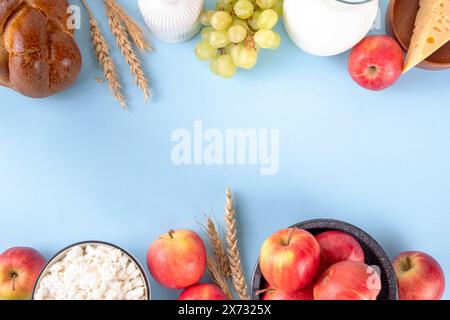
(328, 27)
(92, 271)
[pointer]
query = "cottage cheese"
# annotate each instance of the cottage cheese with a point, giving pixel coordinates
(92, 272)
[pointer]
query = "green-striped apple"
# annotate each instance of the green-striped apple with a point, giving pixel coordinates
(19, 269)
(289, 259)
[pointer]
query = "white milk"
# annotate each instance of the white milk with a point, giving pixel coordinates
(328, 27)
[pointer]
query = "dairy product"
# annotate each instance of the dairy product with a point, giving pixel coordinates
(92, 272)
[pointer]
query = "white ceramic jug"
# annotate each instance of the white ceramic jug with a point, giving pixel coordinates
(328, 27)
(172, 20)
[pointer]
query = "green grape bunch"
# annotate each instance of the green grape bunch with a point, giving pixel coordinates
(235, 33)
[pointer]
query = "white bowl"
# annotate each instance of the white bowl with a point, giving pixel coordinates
(172, 21)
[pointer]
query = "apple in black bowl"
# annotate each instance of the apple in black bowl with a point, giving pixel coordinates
(326, 260)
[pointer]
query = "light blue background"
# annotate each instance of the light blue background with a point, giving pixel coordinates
(76, 167)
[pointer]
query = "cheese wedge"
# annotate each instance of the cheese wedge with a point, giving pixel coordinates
(431, 32)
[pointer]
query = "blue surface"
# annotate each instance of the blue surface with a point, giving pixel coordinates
(77, 167)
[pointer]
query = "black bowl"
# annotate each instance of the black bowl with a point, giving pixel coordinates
(375, 256)
(57, 257)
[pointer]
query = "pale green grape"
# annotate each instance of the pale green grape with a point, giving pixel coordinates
(247, 58)
(205, 17)
(278, 7)
(277, 41)
(235, 50)
(253, 21)
(213, 66)
(265, 4)
(229, 40)
(219, 39)
(206, 32)
(243, 9)
(267, 19)
(228, 48)
(221, 20)
(237, 34)
(224, 6)
(225, 66)
(204, 51)
(239, 22)
(267, 39)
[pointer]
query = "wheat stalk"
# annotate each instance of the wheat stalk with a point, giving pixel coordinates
(102, 54)
(134, 30)
(126, 46)
(237, 274)
(218, 249)
(216, 272)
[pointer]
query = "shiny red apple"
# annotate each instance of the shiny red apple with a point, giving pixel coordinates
(419, 276)
(376, 62)
(203, 291)
(337, 246)
(275, 294)
(289, 259)
(348, 280)
(177, 259)
(19, 269)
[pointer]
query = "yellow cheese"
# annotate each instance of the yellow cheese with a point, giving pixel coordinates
(431, 32)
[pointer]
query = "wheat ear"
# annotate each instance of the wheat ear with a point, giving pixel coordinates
(234, 256)
(218, 249)
(126, 46)
(217, 276)
(102, 54)
(134, 30)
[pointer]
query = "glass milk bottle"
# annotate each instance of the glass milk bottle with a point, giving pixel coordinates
(329, 27)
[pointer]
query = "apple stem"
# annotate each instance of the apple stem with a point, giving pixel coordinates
(14, 277)
(407, 264)
(171, 232)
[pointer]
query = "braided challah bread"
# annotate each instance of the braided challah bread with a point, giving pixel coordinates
(38, 54)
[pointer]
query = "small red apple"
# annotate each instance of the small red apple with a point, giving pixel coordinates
(177, 259)
(376, 62)
(275, 294)
(289, 259)
(419, 276)
(203, 291)
(19, 269)
(348, 280)
(337, 246)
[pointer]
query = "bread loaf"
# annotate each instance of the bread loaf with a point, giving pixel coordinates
(38, 53)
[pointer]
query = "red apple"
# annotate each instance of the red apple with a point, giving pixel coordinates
(177, 259)
(376, 62)
(348, 280)
(289, 259)
(203, 291)
(275, 294)
(419, 276)
(19, 269)
(337, 246)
